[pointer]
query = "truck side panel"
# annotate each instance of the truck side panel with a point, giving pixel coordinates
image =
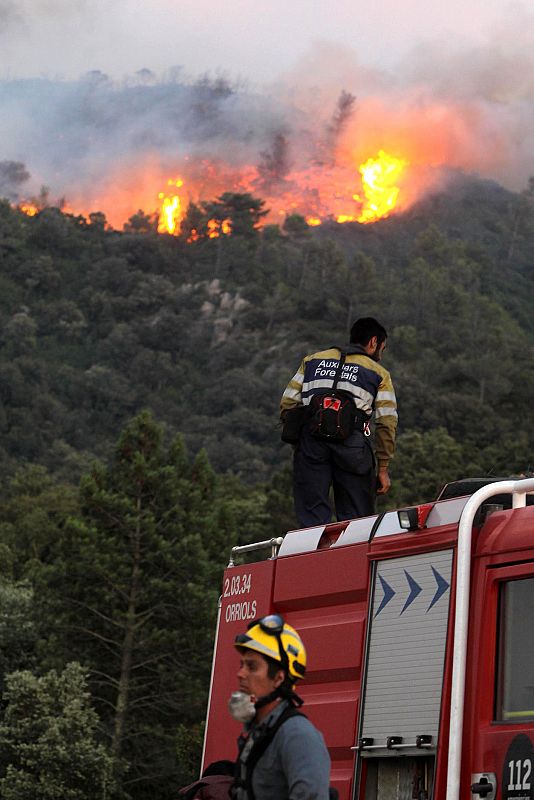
(246, 595)
(324, 596)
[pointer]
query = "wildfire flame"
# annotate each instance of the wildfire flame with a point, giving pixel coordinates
(379, 178)
(29, 209)
(215, 228)
(171, 213)
(318, 193)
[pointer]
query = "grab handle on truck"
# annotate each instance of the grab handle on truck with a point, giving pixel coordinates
(485, 786)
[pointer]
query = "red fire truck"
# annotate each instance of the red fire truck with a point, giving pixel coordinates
(419, 629)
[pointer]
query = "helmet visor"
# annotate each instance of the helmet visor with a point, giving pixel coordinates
(272, 623)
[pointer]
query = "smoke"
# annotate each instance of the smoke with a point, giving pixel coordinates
(274, 165)
(447, 104)
(9, 17)
(78, 137)
(12, 175)
(112, 145)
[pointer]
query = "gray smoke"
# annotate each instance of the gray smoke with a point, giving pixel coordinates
(9, 16)
(275, 162)
(343, 113)
(74, 136)
(13, 174)
(73, 132)
(472, 108)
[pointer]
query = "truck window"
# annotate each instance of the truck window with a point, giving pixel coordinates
(515, 678)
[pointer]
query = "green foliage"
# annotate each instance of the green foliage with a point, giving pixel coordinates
(243, 211)
(98, 324)
(33, 512)
(189, 740)
(423, 464)
(48, 739)
(18, 633)
(129, 589)
(141, 223)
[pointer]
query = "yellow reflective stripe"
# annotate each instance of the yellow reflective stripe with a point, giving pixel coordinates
(294, 394)
(385, 411)
(386, 397)
(357, 391)
(324, 383)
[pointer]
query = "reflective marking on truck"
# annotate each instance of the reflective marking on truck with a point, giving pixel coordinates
(388, 594)
(235, 612)
(517, 769)
(442, 587)
(414, 591)
(238, 584)
(519, 774)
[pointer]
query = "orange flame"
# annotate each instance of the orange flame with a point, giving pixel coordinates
(29, 209)
(215, 228)
(379, 177)
(171, 214)
(318, 192)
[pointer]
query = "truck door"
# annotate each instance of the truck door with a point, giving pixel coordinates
(404, 670)
(502, 686)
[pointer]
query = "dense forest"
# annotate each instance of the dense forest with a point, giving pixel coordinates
(140, 376)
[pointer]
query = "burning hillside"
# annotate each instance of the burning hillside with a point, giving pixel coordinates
(345, 193)
(314, 195)
(316, 152)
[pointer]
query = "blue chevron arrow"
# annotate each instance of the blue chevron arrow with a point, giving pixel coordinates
(415, 589)
(388, 594)
(442, 588)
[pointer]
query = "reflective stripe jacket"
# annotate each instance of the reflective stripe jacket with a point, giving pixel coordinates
(366, 380)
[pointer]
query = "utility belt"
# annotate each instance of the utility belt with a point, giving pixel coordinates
(330, 416)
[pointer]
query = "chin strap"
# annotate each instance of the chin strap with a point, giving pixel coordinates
(285, 691)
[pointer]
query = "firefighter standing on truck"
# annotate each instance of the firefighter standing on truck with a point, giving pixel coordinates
(346, 463)
(282, 756)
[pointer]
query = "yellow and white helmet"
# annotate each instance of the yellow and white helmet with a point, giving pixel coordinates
(274, 638)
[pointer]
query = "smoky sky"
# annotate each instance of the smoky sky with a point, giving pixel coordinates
(87, 87)
(257, 42)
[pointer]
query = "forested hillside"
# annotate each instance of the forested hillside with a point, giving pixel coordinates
(97, 325)
(140, 376)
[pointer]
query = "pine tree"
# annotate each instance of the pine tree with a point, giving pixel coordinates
(129, 590)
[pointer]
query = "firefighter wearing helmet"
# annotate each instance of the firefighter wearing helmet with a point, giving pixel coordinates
(282, 756)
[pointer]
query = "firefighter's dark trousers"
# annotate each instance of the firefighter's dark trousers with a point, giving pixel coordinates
(347, 466)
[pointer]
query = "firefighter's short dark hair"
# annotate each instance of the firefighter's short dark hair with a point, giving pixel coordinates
(273, 667)
(365, 328)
